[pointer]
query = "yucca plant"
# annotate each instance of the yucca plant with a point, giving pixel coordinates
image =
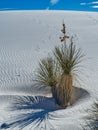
(58, 72)
(92, 122)
(47, 74)
(68, 58)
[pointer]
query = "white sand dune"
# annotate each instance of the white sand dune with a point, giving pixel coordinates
(27, 36)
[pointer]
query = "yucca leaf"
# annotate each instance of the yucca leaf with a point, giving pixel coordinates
(47, 73)
(68, 57)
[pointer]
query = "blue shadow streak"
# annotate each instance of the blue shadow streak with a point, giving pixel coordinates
(40, 110)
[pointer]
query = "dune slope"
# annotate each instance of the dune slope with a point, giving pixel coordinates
(27, 36)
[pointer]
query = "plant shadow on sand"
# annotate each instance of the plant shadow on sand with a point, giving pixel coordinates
(37, 111)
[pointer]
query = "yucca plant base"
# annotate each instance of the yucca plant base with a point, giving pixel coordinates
(65, 94)
(59, 98)
(62, 91)
(75, 95)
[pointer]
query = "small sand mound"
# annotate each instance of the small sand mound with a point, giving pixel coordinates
(78, 94)
(43, 102)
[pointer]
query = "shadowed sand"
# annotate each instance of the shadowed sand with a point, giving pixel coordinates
(38, 108)
(78, 94)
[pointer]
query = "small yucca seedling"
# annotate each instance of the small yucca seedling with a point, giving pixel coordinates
(68, 58)
(92, 123)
